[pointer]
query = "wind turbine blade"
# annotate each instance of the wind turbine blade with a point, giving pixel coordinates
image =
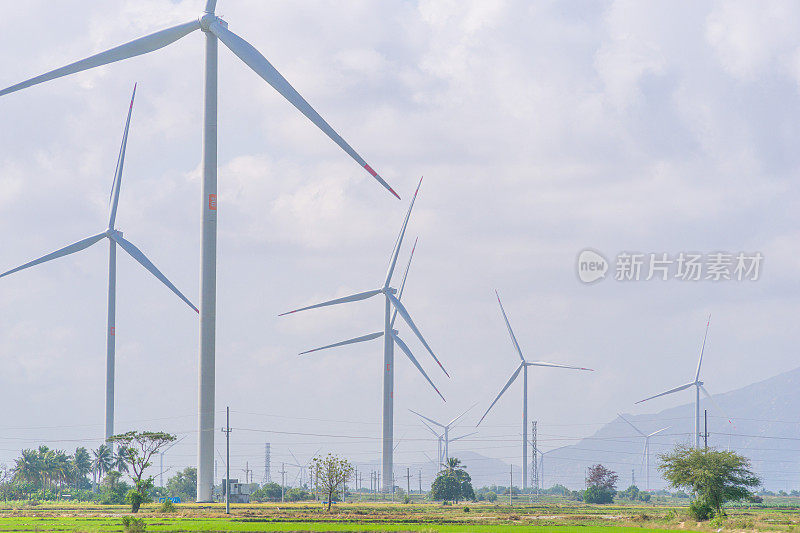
(432, 421)
(363, 338)
(703, 349)
(506, 386)
(428, 457)
(716, 405)
(112, 217)
(137, 254)
(429, 428)
(404, 313)
(676, 389)
(398, 442)
(631, 424)
(456, 419)
(413, 359)
(210, 6)
(294, 457)
(657, 432)
(142, 45)
(253, 58)
(71, 249)
(508, 325)
(345, 299)
(464, 436)
(556, 365)
(399, 241)
(403, 284)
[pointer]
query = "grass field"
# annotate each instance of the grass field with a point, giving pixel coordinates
(467, 518)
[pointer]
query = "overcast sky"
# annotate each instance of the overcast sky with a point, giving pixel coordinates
(541, 129)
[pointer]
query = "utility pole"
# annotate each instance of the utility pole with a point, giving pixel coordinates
(247, 472)
(394, 482)
(408, 482)
(705, 431)
(535, 462)
(633, 477)
(420, 481)
(283, 478)
(227, 431)
(511, 488)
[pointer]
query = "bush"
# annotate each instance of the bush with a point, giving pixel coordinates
(701, 509)
(406, 499)
(133, 525)
(490, 496)
(644, 496)
(167, 506)
(466, 509)
(598, 495)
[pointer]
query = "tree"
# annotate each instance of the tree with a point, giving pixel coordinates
(270, 492)
(331, 474)
(102, 461)
(600, 485)
(183, 484)
(714, 476)
(82, 464)
(138, 447)
(453, 483)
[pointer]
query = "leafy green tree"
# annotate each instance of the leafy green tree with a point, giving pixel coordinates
(297, 494)
(113, 489)
(453, 483)
(331, 474)
(119, 460)
(28, 468)
(270, 492)
(183, 484)
(600, 485)
(714, 476)
(138, 448)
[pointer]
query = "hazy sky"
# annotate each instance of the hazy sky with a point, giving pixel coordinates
(541, 129)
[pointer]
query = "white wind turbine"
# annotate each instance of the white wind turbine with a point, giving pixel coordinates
(523, 366)
(390, 338)
(646, 450)
(115, 238)
(698, 385)
(541, 461)
(444, 438)
(215, 29)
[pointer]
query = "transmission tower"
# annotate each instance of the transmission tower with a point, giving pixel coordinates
(267, 475)
(534, 462)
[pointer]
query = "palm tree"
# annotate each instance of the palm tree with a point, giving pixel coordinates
(28, 467)
(102, 461)
(454, 463)
(120, 463)
(81, 463)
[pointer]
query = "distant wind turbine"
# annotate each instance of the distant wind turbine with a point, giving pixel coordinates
(115, 238)
(541, 460)
(699, 386)
(646, 450)
(392, 308)
(215, 30)
(523, 366)
(445, 439)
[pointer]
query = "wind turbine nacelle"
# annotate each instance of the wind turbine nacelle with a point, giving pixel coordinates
(207, 19)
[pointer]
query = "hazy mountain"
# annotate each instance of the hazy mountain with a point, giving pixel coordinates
(765, 428)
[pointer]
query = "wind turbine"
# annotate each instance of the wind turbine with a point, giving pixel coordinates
(390, 338)
(523, 366)
(445, 437)
(646, 450)
(115, 238)
(214, 29)
(698, 385)
(541, 461)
